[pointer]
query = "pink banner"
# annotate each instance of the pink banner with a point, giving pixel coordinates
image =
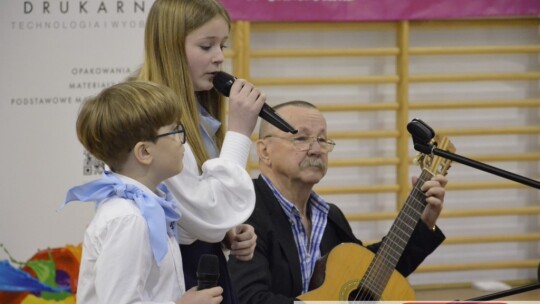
(376, 10)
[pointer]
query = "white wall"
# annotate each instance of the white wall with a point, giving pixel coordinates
(49, 63)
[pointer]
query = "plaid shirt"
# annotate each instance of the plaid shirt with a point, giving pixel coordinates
(308, 250)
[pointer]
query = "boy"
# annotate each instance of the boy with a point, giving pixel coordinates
(130, 254)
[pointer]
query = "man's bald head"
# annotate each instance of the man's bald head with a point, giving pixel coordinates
(266, 127)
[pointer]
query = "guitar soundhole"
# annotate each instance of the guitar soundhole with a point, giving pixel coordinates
(362, 294)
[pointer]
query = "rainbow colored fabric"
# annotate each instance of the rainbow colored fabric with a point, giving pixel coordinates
(50, 276)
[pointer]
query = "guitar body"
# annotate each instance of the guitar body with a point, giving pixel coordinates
(345, 266)
(353, 273)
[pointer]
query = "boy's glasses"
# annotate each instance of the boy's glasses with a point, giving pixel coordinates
(303, 143)
(178, 130)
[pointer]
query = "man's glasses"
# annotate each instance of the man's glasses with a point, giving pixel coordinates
(178, 130)
(303, 143)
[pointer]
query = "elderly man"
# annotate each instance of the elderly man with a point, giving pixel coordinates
(295, 226)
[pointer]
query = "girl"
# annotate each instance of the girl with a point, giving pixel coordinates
(184, 41)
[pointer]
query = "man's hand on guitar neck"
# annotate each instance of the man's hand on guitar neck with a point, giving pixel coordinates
(434, 190)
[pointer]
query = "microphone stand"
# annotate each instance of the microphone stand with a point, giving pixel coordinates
(506, 293)
(427, 148)
(422, 135)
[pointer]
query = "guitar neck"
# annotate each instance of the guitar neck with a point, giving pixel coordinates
(393, 245)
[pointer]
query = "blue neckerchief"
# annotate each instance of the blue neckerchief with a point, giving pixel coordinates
(208, 126)
(155, 210)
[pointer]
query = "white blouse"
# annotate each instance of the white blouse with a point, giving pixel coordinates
(117, 264)
(220, 198)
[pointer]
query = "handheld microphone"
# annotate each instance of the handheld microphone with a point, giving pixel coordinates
(223, 83)
(207, 271)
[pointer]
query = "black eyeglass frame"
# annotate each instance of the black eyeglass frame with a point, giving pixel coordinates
(179, 129)
(330, 144)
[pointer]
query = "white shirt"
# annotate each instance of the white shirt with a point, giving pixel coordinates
(220, 198)
(117, 264)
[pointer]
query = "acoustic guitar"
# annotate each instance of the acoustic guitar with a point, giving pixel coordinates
(353, 273)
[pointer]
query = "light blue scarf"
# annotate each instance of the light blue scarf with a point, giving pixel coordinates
(156, 210)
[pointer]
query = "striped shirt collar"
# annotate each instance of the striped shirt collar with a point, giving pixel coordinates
(316, 200)
(308, 250)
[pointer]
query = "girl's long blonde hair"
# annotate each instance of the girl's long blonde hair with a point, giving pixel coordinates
(165, 62)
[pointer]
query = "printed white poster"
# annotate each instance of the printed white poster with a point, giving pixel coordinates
(54, 54)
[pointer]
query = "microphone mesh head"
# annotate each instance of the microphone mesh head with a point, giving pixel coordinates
(223, 82)
(208, 264)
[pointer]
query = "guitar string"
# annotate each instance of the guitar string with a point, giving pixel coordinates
(388, 247)
(376, 285)
(418, 204)
(367, 286)
(394, 236)
(388, 261)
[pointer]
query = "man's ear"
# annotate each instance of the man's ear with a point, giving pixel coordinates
(142, 152)
(262, 152)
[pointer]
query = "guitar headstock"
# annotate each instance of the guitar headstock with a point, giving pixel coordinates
(433, 163)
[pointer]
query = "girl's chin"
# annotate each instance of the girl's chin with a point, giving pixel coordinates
(204, 86)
